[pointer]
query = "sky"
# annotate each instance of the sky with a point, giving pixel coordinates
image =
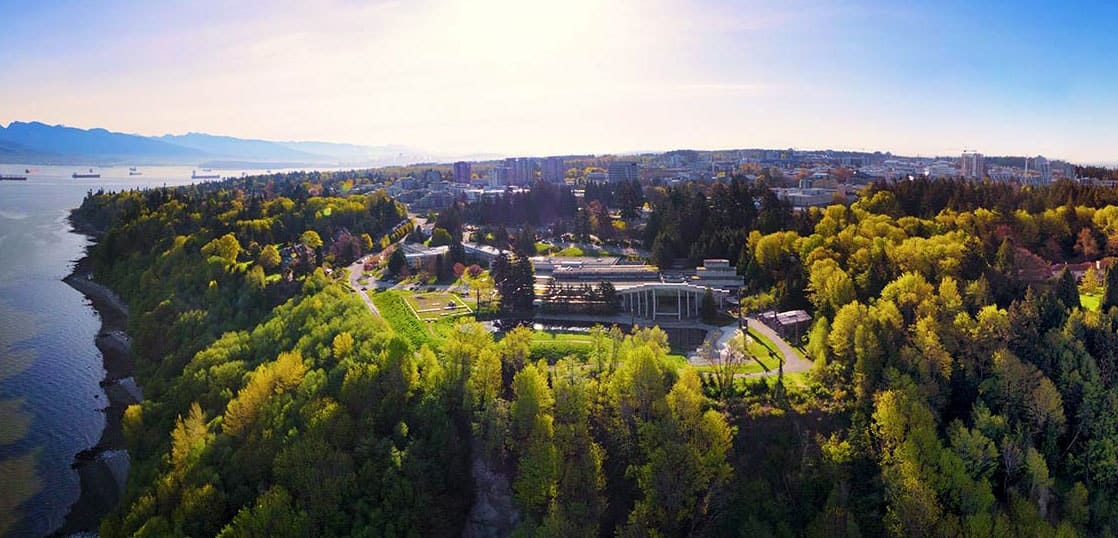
(520, 77)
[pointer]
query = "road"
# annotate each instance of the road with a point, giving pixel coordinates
(355, 270)
(357, 267)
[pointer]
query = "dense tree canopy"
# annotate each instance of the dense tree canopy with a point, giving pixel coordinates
(958, 387)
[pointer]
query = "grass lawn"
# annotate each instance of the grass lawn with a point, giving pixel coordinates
(436, 305)
(767, 344)
(745, 368)
(554, 346)
(394, 309)
(1090, 302)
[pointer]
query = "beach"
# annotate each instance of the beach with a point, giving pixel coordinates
(102, 468)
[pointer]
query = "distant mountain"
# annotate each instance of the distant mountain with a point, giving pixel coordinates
(60, 143)
(227, 147)
(37, 142)
(340, 152)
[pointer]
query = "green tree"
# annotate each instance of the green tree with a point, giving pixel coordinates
(1067, 292)
(397, 263)
(269, 257)
(226, 247)
(272, 515)
(532, 431)
(1110, 289)
(1090, 282)
(686, 462)
(311, 239)
(440, 237)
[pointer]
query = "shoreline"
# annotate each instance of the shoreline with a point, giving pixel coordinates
(102, 468)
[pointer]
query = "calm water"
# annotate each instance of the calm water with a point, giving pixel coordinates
(49, 367)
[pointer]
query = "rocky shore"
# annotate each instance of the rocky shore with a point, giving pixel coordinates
(102, 468)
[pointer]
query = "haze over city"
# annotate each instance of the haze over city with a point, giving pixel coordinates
(511, 77)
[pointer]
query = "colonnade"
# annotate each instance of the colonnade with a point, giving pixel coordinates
(647, 303)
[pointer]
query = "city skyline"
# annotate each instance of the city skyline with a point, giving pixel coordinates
(578, 77)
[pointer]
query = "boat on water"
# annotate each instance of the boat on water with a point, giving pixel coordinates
(195, 175)
(85, 175)
(135, 173)
(4, 177)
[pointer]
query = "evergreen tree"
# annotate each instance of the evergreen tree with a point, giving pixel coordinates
(1110, 289)
(397, 263)
(1067, 292)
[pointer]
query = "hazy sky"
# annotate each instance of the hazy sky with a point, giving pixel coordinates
(533, 77)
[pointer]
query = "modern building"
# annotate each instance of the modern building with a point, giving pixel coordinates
(1042, 167)
(717, 273)
(484, 253)
(552, 170)
(802, 198)
(462, 172)
(972, 165)
(421, 257)
(597, 177)
(644, 291)
(522, 171)
(499, 175)
(623, 171)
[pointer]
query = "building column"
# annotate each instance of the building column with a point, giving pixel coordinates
(678, 305)
(654, 304)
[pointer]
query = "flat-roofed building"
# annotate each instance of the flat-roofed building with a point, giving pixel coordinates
(462, 172)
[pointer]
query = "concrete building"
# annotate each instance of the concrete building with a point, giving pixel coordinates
(717, 273)
(499, 175)
(462, 172)
(484, 253)
(597, 177)
(647, 293)
(801, 198)
(522, 171)
(623, 171)
(667, 300)
(1042, 167)
(421, 258)
(552, 170)
(972, 165)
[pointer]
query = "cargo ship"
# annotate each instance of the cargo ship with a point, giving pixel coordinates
(133, 172)
(194, 175)
(90, 175)
(12, 178)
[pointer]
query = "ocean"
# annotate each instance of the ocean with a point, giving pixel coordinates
(50, 370)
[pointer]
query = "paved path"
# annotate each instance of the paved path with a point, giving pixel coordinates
(792, 360)
(354, 275)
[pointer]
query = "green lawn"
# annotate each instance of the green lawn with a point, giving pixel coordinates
(436, 305)
(767, 344)
(394, 309)
(554, 346)
(1090, 302)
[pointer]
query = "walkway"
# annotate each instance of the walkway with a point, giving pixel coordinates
(355, 270)
(793, 362)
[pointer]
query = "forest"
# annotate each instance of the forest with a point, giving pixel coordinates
(960, 386)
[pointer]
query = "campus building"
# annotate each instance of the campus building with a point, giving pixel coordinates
(646, 292)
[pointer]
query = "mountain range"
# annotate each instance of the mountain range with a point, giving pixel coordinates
(39, 143)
